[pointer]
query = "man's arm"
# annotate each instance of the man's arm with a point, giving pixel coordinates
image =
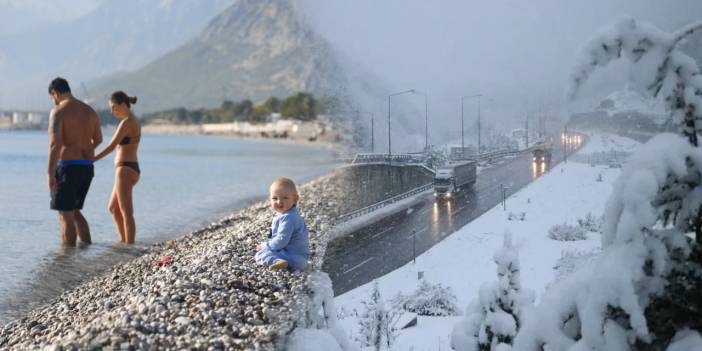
(97, 133)
(55, 143)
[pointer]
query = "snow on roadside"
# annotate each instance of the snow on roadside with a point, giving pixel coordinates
(463, 261)
(608, 142)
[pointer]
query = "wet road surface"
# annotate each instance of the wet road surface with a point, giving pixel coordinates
(388, 244)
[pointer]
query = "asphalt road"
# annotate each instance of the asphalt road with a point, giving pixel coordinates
(388, 244)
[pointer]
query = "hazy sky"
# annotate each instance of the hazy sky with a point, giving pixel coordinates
(52, 9)
(517, 53)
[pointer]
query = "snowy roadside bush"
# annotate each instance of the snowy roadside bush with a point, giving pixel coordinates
(493, 319)
(571, 260)
(567, 232)
(590, 223)
(645, 287)
(429, 300)
(511, 216)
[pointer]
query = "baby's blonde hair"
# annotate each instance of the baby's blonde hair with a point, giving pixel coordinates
(286, 183)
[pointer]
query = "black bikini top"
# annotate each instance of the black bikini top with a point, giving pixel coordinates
(127, 140)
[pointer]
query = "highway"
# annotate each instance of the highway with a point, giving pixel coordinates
(388, 244)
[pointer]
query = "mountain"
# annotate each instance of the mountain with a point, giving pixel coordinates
(116, 35)
(256, 49)
(253, 49)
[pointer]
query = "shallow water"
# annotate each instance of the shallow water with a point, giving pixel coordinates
(186, 182)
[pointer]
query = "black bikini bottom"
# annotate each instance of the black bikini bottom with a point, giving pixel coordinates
(128, 164)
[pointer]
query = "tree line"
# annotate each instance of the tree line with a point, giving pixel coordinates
(300, 106)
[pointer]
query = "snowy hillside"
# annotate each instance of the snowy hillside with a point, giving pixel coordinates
(627, 100)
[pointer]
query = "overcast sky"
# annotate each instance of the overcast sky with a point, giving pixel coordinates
(517, 53)
(52, 9)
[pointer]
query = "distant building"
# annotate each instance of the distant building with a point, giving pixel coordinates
(5, 120)
(19, 118)
(36, 118)
(25, 119)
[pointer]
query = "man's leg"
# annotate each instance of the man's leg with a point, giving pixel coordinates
(82, 227)
(68, 227)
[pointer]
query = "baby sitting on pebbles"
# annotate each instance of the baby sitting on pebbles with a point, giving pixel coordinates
(287, 246)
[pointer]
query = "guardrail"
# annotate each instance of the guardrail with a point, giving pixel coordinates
(381, 204)
(385, 158)
(414, 158)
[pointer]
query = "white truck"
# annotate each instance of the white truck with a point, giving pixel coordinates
(453, 177)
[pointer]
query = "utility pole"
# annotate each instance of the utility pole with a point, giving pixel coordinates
(426, 123)
(526, 145)
(478, 125)
(372, 134)
(389, 134)
(565, 141)
(463, 146)
(389, 143)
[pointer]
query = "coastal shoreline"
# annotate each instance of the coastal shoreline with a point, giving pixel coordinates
(195, 129)
(213, 295)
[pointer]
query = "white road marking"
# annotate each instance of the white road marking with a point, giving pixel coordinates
(378, 234)
(358, 265)
(418, 231)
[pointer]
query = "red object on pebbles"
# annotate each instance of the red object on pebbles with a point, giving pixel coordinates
(165, 260)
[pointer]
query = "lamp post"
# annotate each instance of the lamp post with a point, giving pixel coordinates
(426, 118)
(372, 133)
(389, 134)
(526, 142)
(372, 125)
(463, 146)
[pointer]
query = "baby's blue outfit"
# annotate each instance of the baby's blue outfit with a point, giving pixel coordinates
(288, 241)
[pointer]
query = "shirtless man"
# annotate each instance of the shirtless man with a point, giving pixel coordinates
(74, 132)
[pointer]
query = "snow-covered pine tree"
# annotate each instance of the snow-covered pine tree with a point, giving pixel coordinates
(492, 321)
(375, 322)
(645, 287)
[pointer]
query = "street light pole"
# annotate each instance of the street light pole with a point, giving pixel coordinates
(526, 143)
(372, 133)
(463, 146)
(478, 125)
(389, 134)
(565, 141)
(426, 117)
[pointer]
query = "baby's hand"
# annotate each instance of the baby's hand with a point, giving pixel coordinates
(259, 247)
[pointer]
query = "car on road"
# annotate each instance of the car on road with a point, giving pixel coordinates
(541, 153)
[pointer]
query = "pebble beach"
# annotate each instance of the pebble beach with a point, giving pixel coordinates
(209, 294)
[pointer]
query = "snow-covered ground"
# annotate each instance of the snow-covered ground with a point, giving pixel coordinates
(609, 142)
(464, 260)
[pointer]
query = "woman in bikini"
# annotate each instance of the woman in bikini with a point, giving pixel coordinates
(126, 140)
